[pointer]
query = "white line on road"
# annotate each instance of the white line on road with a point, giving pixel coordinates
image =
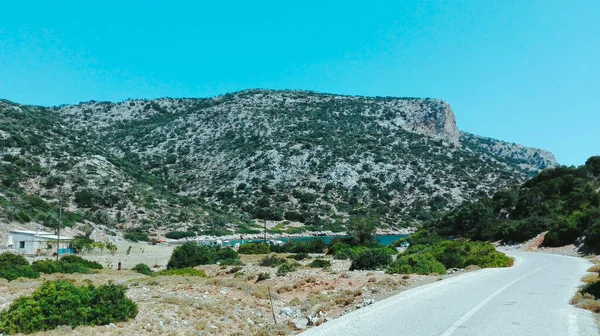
(573, 327)
(472, 312)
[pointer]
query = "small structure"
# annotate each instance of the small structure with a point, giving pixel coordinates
(276, 242)
(37, 242)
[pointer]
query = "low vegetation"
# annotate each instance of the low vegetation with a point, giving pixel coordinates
(182, 272)
(49, 266)
(434, 254)
(262, 276)
(372, 259)
(13, 266)
(416, 263)
(143, 269)
(299, 256)
(73, 259)
(271, 261)
(588, 296)
(60, 302)
(254, 248)
(191, 254)
(180, 234)
(320, 263)
(299, 247)
(286, 268)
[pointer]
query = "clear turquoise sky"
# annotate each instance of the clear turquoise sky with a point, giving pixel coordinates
(523, 71)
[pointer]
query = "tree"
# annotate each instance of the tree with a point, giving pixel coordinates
(112, 248)
(371, 259)
(593, 165)
(81, 243)
(362, 229)
(99, 245)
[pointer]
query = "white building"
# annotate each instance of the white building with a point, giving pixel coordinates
(36, 242)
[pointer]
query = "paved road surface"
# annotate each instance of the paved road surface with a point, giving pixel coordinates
(530, 298)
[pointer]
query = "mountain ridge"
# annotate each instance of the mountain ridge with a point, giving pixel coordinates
(295, 156)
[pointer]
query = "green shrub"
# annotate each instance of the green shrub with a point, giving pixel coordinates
(342, 251)
(425, 259)
(263, 276)
(179, 234)
(182, 272)
(226, 254)
(320, 263)
(234, 270)
(231, 262)
(190, 255)
(271, 261)
(254, 248)
(592, 288)
(362, 229)
(13, 266)
(81, 243)
(299, 256)
(286, 268)
(422, 237)
(460, 254)
(73, 259)
(371, 259)
(307, 246)
(136, 236)
(416, 263)
(60, 302)
(8, 259)
(15, 272)
(49, 266)
(143, 269)
(345, 254)
(86, 198)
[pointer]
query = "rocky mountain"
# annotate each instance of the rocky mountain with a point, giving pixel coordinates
(41, 158)
(526, 159)
(290, 156)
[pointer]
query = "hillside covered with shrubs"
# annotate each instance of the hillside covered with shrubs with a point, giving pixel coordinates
(42, 160)
(212, 165)
(565, 201)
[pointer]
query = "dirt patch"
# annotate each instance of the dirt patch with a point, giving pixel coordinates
(535, 242)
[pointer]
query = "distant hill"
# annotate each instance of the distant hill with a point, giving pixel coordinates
(217, 163)
(564, 201)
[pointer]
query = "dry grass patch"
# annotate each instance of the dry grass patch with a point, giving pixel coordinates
(586, 301)
(271, 329)
(592, 277)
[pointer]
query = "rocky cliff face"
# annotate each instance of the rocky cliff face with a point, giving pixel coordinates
(527, 159)
(292, 156)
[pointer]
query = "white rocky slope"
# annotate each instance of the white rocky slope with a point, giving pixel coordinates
(309, 157)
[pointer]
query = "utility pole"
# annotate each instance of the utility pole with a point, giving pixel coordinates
(265, 231)
(59, 222)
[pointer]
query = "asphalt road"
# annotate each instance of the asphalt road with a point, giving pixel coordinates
(530, 298)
